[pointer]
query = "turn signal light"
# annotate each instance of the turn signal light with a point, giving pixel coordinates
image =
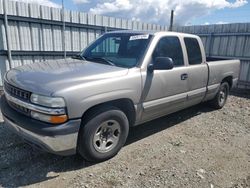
(58, 119)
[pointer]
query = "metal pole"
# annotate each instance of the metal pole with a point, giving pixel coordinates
(171, 20)
(63, 32)
(6, 25)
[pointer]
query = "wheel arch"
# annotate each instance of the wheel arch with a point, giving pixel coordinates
(126, 105)
(229, 80)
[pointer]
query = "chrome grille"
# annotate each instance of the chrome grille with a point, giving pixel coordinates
(16, 92)
(19, 94)
(19, 108)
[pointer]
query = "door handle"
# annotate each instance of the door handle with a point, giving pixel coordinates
(184, 76)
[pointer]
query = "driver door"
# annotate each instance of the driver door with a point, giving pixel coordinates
(165, 90)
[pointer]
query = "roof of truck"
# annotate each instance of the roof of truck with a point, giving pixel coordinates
(154, 32)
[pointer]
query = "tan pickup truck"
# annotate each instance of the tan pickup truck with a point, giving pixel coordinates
(86, 104)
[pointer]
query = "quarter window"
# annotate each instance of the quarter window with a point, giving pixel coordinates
(170, 47)
(193, 51)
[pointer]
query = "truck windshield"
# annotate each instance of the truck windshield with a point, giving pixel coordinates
(119, 49)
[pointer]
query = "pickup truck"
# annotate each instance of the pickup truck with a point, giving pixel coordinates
(86, 104)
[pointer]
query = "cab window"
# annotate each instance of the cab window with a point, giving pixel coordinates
(170, 47)
(193, 51)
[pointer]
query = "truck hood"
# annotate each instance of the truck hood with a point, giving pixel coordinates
(50, 76)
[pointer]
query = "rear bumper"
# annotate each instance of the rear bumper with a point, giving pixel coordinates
(58, 139)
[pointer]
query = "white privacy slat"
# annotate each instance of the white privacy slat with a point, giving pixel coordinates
(36, 37)
(34, 10)
(22, 9)
(154, 27)
(111, 22)
(247, 46)
(98, 20)
(3, 43)
(45, 12)
(47, 38)
(25, 36)
(4, 66)
(11, 8)
(83, 18)
(74, 17)
(134, 25)
(56, 14)
(118, 22)
(16, 61)
(105, 21)
(26, 60)
(75, 39)
(157, 28)
(67, 16)
(83, 38)
(37, 59)
(124, 24)
(91, 19)
(57, 38)
(98, 33)
(139, 26)
(144, 26)
(91, 35)
(14, 33)
(129, 24)
(1, 7)
(68, 39)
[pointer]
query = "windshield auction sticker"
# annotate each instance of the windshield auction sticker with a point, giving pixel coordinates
(138, 37)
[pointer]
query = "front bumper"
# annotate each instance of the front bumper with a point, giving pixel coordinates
(58, 139)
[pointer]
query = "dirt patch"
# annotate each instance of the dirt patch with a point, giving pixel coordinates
(197, 147)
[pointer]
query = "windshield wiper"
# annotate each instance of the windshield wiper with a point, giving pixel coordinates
(101, 59)
(78, 56)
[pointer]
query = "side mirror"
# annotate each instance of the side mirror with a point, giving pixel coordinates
(161, 63)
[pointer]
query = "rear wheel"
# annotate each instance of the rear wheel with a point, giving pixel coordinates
(221, 97)
(103, 134)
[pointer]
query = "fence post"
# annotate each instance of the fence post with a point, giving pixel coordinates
(63, 31)
(6, 25)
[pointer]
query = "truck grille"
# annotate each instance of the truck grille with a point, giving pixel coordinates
(19, 94)
(16, 92)
(19, 108)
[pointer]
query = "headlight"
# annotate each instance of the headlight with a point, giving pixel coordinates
(49, 118)
(54, 102)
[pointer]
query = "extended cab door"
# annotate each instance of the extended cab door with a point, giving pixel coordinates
(197, 71)
(165, 90)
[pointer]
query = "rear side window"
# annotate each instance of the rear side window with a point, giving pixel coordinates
(170, 47)
(193, 51)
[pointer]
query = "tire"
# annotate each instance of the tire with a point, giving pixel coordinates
(221, 97)
(103, 134)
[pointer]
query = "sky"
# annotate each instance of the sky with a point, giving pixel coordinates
(186, 12)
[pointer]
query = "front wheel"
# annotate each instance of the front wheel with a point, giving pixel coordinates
(103, 135)
(221, 97)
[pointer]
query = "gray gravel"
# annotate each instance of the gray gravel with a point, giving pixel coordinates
(197, 147)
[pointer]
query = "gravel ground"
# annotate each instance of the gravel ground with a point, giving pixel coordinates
(197, 147)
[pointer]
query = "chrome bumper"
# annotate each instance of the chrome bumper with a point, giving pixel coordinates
(59, 144)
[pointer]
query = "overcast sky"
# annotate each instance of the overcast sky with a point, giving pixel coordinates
(187, 12)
